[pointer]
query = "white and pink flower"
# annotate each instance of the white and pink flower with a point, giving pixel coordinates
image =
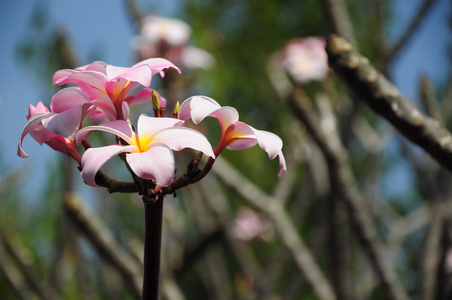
(148, 151)
(235, 135)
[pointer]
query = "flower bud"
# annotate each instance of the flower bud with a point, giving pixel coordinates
(176, 109)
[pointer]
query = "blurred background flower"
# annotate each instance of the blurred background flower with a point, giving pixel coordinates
(169, 38)
(305, 59)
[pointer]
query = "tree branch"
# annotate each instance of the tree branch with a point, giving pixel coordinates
(134, 13)
(385, 99)
(342, 181)
(274, 210)
(337, 14)
(13, 277)
(432, 252)
(23, 263)
(429, 99)
(103, 241)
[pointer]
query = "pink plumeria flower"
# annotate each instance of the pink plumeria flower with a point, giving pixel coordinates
(148, 151)
(305, 59)
(68, 106)
(235, 135)
(111, 85)
(194, 58)
(157, 29)
(249, 225)
(42, 135)
(168, 38)
(67, 110)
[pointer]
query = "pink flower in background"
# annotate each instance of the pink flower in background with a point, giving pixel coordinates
(305, 59)
(169, 38)
(109, 86)
(148, 151)
(235, 135)
(196, 58)
(157, 29)
(42, 135)
(248, 225)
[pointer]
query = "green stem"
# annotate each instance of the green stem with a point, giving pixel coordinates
(153, 212)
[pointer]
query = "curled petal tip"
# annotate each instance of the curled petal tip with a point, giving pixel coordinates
(21, 152)
(282, 164)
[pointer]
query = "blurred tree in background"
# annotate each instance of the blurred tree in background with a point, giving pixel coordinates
(339, 225)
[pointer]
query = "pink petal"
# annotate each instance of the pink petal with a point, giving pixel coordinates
(61, 75)
(96, 116)
(34, 122)
(149, 126)
(113, 71)
(269, 142)
(199, 107)
(226, 116)
(272, 144)
(106, 106)
(141, 74)
(94, 158)
(92, 92)
(155, 164)
(68, 98)
(143, 96)
(66, 123)
(40, 108)
(92, 78)
(240, 136)
(244, 136)
(98, 66)
(119, 127)
(178, 138)
(242, 143)
(157, 64)
(131, 88)
(282, 164)
(116, 89)
(125, 110)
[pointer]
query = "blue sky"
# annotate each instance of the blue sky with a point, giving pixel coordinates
(103, 25)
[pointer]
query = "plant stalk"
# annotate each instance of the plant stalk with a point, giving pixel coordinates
(153, 212)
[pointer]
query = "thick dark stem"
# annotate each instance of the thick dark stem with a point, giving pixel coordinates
(153, 212)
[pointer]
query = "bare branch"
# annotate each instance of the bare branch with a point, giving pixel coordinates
(134, 14)
(13, 277)
(22, 259)
(283, 224)
(337, 13)
(343, 183)
(385, 99)
(429, 99)
(103, 241)
(432, 252)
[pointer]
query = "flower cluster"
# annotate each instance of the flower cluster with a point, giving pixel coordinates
(102, 96)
